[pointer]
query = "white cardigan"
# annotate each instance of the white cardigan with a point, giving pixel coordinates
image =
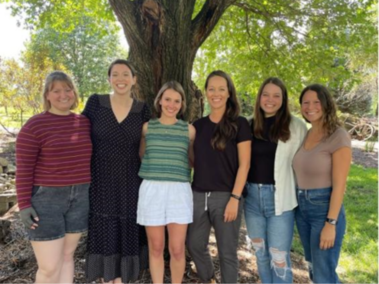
(285, 184)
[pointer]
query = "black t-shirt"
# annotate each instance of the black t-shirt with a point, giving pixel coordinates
(216, 170)
(262, 156)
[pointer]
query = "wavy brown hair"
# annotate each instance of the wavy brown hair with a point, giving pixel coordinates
(226, 129)
(280, 130)
(330, 121)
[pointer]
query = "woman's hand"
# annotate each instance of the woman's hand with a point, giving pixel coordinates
(327, 237)
(29, 218)
(231, 210)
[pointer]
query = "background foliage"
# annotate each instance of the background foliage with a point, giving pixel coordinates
(333, 42)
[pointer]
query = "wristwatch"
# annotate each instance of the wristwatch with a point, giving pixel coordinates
(235, 196)
(331, 221)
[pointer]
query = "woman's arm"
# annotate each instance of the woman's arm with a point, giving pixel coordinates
(142, 144)
(192, 135)
(341, 160)
(244, 154)
(27, 151)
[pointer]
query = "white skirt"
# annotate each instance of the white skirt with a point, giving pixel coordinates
(164, 202)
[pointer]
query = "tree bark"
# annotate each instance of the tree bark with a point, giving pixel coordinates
(163, 39)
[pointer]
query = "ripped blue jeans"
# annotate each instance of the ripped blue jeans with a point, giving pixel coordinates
(271, 235)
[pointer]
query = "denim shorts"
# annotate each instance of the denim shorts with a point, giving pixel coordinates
(61, 210)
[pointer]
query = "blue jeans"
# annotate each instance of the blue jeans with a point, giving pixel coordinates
(310, 220)
(271, 235)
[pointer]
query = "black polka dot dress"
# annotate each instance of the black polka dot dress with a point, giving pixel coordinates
(117, 245)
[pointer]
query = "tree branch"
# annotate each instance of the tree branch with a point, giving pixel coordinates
(205, 21)
(127, 12)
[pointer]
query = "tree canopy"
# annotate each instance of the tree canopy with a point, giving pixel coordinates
(84, 51)
(328, 41)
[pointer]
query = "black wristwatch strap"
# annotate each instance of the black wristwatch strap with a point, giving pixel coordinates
(235, 196)
(331, 221)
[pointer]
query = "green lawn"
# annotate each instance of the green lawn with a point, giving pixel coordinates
(359, 258)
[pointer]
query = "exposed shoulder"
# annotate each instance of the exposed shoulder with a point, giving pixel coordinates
(192, 131)
(144, 128)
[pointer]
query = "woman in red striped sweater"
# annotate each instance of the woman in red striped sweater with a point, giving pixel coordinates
(53, 153)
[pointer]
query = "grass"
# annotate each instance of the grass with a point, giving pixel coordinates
(359, 257)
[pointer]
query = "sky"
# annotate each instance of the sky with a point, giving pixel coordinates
(12, 37)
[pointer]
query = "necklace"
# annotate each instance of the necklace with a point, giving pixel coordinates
(167, 125)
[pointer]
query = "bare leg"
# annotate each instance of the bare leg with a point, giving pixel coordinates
(67, 270)
(156, 239)
(49, 258)
(177, 237)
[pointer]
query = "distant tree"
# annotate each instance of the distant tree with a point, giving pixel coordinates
(299, 41)
(21, 86)
(84, 51)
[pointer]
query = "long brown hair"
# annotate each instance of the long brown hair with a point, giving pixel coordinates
(226, 129)
(281, 128)
(330, 121)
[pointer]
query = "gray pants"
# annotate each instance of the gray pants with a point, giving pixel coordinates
(209, 212)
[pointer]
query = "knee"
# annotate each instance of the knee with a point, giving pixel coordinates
(68, 255)
(177, 251)
(258, 245)
(156, 249)
(49, 271)
(279, 262)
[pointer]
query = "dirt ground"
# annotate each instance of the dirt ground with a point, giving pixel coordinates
(365, 159)
(18, 265)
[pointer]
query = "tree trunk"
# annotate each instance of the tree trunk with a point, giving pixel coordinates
(163, 40)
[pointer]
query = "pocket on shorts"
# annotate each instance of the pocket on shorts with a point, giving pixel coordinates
(36, 190)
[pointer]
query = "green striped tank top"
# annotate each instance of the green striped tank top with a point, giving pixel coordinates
(166, 152)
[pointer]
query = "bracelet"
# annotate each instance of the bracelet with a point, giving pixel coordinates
(235, 196)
